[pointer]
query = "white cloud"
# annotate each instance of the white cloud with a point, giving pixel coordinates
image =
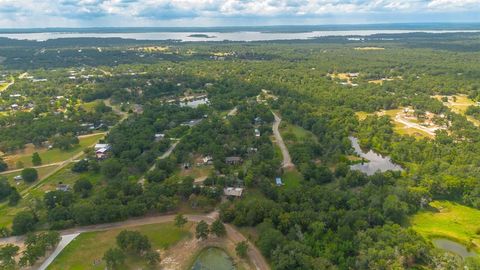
(40, 13)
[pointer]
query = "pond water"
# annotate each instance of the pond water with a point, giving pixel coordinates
(213, 259)
(195, 103)
(453, 247)
(373, 161)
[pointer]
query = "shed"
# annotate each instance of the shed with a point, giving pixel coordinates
(278, 181)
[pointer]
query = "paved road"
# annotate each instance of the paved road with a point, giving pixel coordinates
(287, 160)
(255, 256)
(430, 131)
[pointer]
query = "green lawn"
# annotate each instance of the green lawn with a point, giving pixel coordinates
(292, 178)
(449, 220)
(293, 133)
(21, 185)
(88, 247)
(57, 155)
(53, 155)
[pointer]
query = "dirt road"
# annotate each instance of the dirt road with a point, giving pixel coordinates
(164, 156)
(255, 256)
(287, 160)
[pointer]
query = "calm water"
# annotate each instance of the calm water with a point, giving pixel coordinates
(213, 259)
(374, 162)
(453, 247)
(216, 36)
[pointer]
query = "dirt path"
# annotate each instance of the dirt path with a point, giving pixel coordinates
(287, 160)
(235, 236)
(164, 156)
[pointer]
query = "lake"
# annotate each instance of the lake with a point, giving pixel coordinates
(453, 247)
(213, 259)
(374, 162)
(215, 36)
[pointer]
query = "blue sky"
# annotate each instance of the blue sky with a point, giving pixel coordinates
(165, 13)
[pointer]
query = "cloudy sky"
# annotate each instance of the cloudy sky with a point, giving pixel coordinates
(164, 13)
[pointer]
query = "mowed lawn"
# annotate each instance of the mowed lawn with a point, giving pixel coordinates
(292, 178)
(449, 220)
(53, 155)
(89, 247)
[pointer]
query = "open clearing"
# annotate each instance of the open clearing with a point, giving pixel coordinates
(405, 123)
(52, 155)
(459, 104)
(89, 247)
(450, 220)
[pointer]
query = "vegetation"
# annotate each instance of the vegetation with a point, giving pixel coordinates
(325, 216)
(88, 249)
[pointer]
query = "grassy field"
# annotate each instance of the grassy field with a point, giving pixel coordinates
(292, 133)
(459, 105)
(21, 185)
(292, 178)
(450, 220)
(89, 247)
(53, 155)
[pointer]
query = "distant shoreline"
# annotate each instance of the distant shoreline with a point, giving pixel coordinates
(263, 29)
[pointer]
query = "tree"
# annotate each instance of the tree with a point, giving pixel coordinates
(180, 220)
(3, 165)
(111, 167)
(114, 257)
(152, 257)
(80, 166)
(202, 230)
(133, 241)
(29, 175)
(36, 159)
(7, 256)
(83, 186)
(242, 249)
(14, 197)
(64, 142)
(23, 222)
(218, 228)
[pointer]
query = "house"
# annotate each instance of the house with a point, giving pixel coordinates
(63, 187)
(14, 106)
(278, 182)
(233, 192)
(18, 178)
(233, 160)
(257, 133)
(206, 160)
(192, 123)
(258, 120)
(102, 150)
(159, 137)
(101, 145)
(137, 108)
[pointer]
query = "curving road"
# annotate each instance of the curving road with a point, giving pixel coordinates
(287, 160)
(235, 236)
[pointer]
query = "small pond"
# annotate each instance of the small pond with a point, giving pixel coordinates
(373, 161)
(453, 247)
(194, 103)
(213, 259)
